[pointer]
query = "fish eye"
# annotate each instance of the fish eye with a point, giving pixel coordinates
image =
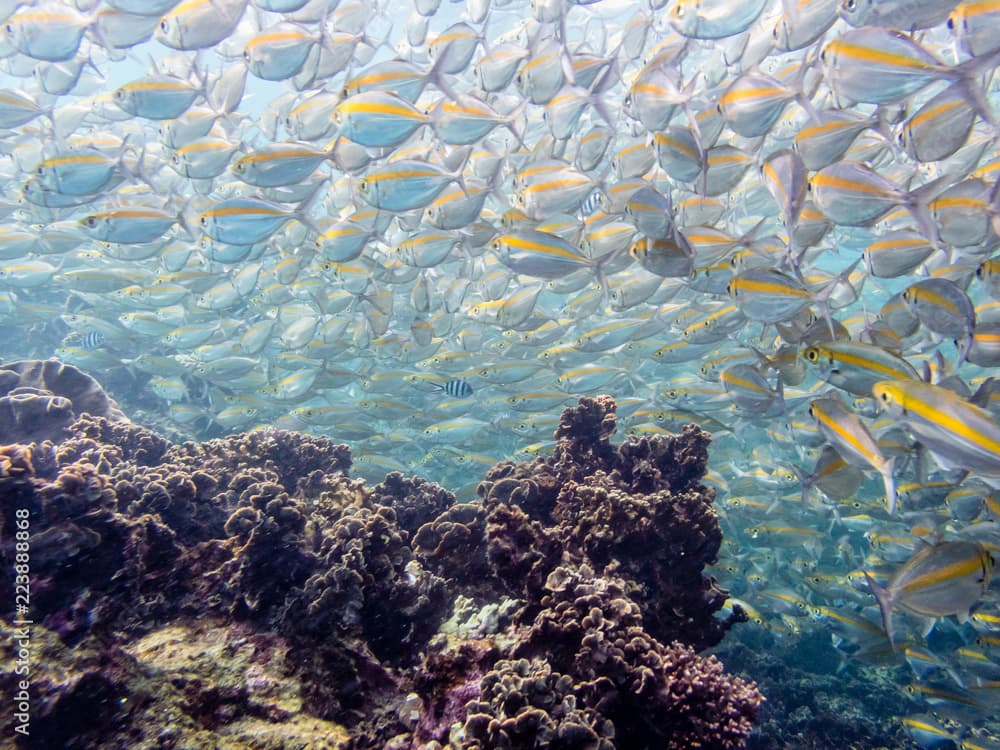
(246, 55)
(850, 5)
(679, 10)
(9, 28)
(164, 25)
(951, 23)
(91, 221)
(363, 187)
(203, 221)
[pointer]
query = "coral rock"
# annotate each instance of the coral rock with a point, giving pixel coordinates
(40, 399)
(415, 500)
(655, 695)
(636, 510)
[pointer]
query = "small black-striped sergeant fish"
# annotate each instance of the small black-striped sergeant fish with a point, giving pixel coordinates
(87, 341)
(456, 388)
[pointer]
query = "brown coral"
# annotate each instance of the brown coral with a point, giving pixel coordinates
(636, 510)
(526, 704)
(369, 586)
(453, 545)
(661, 541)
(604, 544)
(415, 500)
(655, 695)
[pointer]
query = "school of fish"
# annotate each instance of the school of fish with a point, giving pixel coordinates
(426, 229)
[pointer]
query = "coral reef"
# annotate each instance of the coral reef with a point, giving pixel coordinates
(636, 510)
(318, 603)
(525, 704)
(664, 696)
(453, 545)
(200, 685)
(415, 500)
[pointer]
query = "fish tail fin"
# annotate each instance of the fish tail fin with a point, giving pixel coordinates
(885, 607)
(307, 204)
(918, 204)
(516, 125)
(968, 74)
(891, 496)
(822, 299)
(436, 76)
(223, 93)
(964, 347)
(806, 480)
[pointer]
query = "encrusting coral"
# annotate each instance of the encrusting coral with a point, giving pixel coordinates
(571, 573)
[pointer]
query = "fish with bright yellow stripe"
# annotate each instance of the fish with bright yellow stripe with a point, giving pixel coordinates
(538, 254)
(855, 366)
(959, 434)
(948, 578)
(845, 431)
(378, 118)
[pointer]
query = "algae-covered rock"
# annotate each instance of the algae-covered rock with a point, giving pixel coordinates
(200, 685)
